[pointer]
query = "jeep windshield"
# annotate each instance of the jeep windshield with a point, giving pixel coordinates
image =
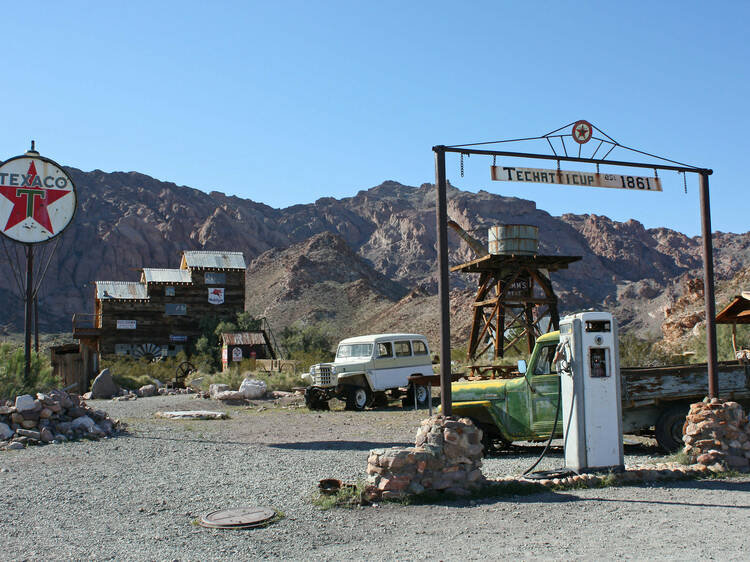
(351, 350)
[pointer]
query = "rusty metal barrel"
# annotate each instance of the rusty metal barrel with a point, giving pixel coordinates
(519, 239)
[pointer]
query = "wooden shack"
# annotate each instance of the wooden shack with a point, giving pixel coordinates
(160, 314)
(239, 346)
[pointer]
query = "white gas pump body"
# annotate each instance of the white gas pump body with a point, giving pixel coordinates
(589, 367)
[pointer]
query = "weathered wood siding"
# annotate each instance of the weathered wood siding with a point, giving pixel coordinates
(154, 325)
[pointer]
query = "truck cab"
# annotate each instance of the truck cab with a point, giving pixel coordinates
(519, 408)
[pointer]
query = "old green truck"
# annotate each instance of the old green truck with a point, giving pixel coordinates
(655, 400)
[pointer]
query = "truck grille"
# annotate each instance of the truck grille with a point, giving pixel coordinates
(322, 376)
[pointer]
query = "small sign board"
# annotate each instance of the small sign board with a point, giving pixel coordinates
(216, 295)
(564, 177)
(126, 324)
(177, 339)
(236, 354)
(214, 278)
(37, 199)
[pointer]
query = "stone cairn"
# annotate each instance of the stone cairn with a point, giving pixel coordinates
(447, 456)
(717, 435)
(54, 417)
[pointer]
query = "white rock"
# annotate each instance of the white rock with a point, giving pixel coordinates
(15, 445)
(253, 388)
(5, 431)
(147, 390)
(229, 395)
(25, 403)
(192, 415)
(158, 383)
(214, 389)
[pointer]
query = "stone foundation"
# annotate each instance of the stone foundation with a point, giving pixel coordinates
(447, 456)
(717, 435)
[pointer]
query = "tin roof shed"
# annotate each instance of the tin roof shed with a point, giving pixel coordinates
(243, 338)
(154, 275)
(125, 290)
(737, 311)
(201, 259)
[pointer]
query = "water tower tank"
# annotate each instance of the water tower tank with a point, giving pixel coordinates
(519, 239)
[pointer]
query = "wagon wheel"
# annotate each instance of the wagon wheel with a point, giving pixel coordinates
(182, 371)
(148, 351)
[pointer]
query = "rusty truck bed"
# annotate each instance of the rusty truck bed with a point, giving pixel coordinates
(650, 385)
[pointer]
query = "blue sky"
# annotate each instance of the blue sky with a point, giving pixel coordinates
(287, 102)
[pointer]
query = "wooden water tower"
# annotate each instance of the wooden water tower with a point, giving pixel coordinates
(514, 295)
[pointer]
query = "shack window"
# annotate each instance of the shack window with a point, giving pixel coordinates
(175, 309)
(214, 278)
(419, 347)
(403, 349)
(385, 349)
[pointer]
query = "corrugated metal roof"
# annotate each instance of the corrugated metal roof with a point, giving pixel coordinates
(154, 275)
(243, 338)
(120, 290)
(200, 259)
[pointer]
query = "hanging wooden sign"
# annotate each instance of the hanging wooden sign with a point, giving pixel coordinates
(565, 177)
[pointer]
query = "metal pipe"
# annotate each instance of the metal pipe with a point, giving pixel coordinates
(574, 159)
(27, 317)
(708, 288)
(441, 213)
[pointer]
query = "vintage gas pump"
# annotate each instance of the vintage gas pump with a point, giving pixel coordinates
(588, 362)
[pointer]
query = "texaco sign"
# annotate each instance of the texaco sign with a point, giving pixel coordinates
(37, 199)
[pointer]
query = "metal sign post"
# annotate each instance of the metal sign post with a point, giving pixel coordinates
(582, 132)
(37, 203)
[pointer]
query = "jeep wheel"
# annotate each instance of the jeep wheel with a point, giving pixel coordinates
(357, 398)
(423, 396)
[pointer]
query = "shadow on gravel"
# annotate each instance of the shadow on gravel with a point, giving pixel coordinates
(336, 445)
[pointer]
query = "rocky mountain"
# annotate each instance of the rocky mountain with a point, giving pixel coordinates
(362, 262)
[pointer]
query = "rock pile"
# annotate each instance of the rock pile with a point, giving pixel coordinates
(447, 457)
(717, 435)
(250, 389)
(51, 418)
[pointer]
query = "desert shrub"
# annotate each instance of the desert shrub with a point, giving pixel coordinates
(12, 366)
(134, 373)
(642, 352)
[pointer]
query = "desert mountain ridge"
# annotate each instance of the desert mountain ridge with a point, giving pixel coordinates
(361, 263)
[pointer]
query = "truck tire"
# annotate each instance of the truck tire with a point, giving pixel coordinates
(669, 427)
(423, 396)
(357, 398)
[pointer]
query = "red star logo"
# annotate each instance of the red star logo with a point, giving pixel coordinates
(31, 200)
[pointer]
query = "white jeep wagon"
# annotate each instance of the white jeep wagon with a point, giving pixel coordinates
(366, 367)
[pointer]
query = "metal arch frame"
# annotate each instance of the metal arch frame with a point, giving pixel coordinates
(441, 212)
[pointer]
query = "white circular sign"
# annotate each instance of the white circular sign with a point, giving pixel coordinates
(37, 199)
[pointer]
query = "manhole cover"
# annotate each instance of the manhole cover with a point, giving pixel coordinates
(237, 518)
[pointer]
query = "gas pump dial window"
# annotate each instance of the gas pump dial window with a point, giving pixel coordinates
(598, 363)
(598, 326)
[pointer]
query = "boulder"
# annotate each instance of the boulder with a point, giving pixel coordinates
(192, 415)
(229, 395)
(5, 431)
(147, 390)
(253, 388)
(214, 389)
(104, 386)
(84, 422)
(26, 403)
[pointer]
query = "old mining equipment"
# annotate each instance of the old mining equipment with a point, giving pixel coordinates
(588, 362)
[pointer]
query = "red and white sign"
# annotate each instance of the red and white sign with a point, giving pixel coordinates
(37, 199)
(236, 354)
(216, 296)
(582, 131)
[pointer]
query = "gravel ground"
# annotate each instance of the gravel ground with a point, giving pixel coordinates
(136, 497)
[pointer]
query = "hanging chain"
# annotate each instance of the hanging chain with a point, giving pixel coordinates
(597, 168)
(494, 159)
(684, 181)
(462, 164)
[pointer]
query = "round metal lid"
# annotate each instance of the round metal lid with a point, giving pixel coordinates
(237, 518)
